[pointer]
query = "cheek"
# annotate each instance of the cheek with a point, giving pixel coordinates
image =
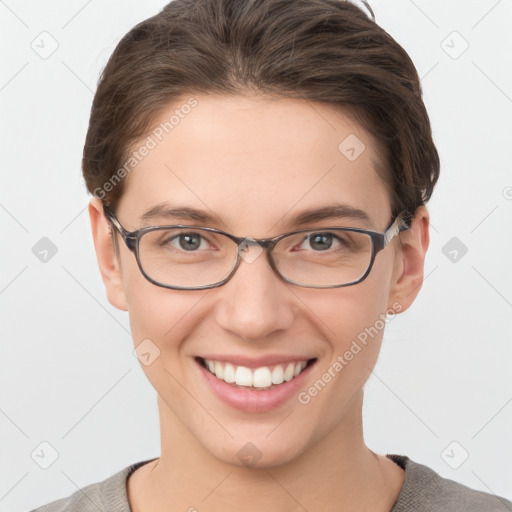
(353, 320)
(355, 329)
(154, 312)
(160, 314)
(345, 313)
(161, 322)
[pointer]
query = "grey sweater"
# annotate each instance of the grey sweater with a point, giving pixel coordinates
(423, 491)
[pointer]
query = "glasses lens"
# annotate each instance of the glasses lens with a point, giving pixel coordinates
(186, 257)
(324, 258)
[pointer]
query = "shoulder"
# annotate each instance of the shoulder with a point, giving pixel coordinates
(426, 491)
(109, 495)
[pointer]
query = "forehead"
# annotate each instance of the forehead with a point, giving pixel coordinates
(257, 161)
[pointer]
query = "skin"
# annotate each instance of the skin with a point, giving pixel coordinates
(253, 161)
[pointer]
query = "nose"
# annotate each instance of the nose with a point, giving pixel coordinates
(255, 302)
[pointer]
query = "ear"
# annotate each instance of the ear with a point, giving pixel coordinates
(409, 261)
(108, 261)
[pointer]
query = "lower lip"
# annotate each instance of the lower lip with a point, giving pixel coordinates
(250, 400)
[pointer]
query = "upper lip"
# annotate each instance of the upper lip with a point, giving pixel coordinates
(257, 362)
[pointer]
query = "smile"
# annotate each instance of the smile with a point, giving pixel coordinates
(262, 378)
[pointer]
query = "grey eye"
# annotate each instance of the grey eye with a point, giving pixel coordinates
(189, 241)
(321, 241)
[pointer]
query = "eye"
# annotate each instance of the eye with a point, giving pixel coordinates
(325, 240)
(186, 241)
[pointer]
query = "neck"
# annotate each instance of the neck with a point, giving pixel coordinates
(338, 471)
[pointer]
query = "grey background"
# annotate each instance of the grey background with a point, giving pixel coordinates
(441, 390)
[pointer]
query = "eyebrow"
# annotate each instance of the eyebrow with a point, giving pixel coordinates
(334, 211)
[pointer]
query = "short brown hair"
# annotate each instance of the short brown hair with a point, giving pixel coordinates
(327, 51)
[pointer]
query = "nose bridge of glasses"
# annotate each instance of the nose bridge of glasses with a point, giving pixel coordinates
(243, 249)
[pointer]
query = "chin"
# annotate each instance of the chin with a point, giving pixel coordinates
(257, 452)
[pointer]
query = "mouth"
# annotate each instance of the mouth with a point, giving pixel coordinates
(259, 379)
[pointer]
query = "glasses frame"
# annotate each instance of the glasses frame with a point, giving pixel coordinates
(379, 241)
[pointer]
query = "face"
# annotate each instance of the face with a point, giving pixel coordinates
(254, 163)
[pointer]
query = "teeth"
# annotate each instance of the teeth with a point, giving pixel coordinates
(288, 373)
(219, 370)
(277, 375)
(229, 373)
(243, 376)
(262, 378)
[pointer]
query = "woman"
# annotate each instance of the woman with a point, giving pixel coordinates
(260, 172)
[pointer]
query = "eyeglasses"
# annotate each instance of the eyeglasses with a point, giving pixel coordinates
(184, 257)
